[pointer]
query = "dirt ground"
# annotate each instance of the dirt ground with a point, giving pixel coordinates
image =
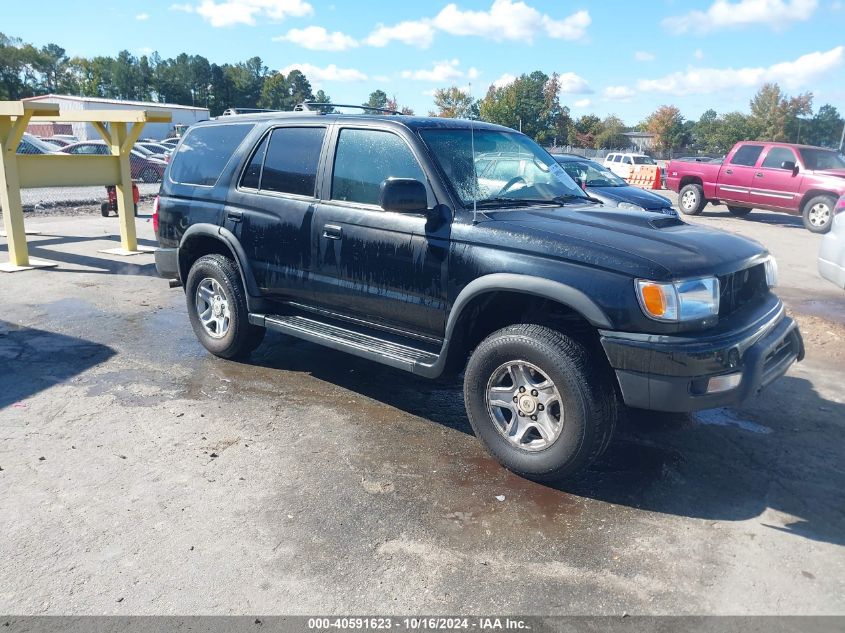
(139, 475)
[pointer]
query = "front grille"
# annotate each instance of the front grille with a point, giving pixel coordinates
(741, 288)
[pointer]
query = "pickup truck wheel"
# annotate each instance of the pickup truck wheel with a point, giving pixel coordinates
(818, 214)
(217, 308)
(739, 212)
(538, 402)
(691, 199)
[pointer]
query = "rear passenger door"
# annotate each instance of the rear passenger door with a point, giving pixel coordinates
(272, 207)
(737, 174)
(378, 266)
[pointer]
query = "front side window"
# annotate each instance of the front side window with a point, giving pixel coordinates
(365, 159)
(747, 155)
(643, 160)
(523, 170)
(629, 160)
(777, 156)
(204, 152)
(290, 165)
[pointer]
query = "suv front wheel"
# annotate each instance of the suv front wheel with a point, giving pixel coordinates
(538, 402)
(217, 308)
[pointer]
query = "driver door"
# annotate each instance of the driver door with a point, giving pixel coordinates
(381, 267)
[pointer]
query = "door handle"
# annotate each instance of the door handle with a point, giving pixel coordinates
(759, 174)
(234, 216)
(729, 171)
(332, 232)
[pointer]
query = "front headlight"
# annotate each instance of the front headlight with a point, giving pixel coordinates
(630, 206)
(687, 300)
(771, 272)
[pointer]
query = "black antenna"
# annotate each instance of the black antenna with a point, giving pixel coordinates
(320, 106)
(472, 157)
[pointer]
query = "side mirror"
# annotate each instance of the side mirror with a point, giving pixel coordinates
(789, 165)
(403, 195)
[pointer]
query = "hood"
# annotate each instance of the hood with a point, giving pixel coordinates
(634, 195)
(635, 243)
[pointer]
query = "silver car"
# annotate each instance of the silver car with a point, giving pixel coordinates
(832, 253)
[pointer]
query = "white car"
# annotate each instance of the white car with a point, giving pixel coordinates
(622, 163)
(832, 253)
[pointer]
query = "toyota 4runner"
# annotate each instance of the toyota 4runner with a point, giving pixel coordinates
(391, 238)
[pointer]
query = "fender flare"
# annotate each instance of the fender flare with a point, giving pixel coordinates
(231, 242)
(537, 286)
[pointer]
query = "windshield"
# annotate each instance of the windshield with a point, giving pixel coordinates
(643, 160)
(593, 174)
(41, 146)
(505, 166)
(821, 158)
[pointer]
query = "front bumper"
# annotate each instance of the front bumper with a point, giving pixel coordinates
(672, 373)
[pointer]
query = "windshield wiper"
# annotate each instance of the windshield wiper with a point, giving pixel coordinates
(500, 201)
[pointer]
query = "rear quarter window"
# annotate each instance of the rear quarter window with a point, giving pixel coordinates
(204, 152)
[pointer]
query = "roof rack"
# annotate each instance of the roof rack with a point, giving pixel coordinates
(234, 111)
(321, 107)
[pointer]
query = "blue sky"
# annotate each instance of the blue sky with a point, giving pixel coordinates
(614, 56)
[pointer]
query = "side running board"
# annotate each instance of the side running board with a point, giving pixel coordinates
(382, 350)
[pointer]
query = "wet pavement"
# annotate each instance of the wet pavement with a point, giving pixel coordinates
(142, 476)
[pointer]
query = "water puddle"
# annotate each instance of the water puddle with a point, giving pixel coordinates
(726, 417)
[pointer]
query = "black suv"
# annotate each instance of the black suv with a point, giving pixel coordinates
(377, 235)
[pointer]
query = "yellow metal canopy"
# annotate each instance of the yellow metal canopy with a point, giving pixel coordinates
(119, 129)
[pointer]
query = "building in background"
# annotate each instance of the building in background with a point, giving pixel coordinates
(641, 141)
(181, 116)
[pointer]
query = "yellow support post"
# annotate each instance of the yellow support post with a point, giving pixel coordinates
(13, 122)
(121, 142)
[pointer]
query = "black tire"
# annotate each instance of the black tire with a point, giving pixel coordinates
(739, 212)
(150, 175)
(815, 220)
(105, 209)
(691, 199)
(588, 402)
(241, 337)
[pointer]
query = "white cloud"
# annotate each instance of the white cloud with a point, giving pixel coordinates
(142, 16)
(618, 93)
(473, 73)
(508, 20)
(440, 72)
(582, 103)
(644, 56)
(413, 33)
(777, 14)
(316, 38)
(316, 74)
(232, 12)
(698, 54)
(146, 50)
(571, 28)
(505, 80)
(570, 83)
(791, 75)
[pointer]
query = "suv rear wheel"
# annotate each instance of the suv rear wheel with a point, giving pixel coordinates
(217, 308)
(538, 402)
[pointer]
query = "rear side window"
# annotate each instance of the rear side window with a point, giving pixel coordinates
(365, 159)
(204, 153)
(747, 155)
(252, 174)
(291, 162)
(617, 158)
(776, 156)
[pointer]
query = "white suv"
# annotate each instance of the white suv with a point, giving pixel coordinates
(622, 163)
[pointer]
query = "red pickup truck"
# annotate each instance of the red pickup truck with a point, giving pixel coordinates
(797, 179)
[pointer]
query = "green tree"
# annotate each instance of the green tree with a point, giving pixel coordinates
(452, 103)
(667, 125)
(530, 103)
(610, 134)
(774, 115)
(275, 92)
(378, 99)
(825, 127)
(585, 131)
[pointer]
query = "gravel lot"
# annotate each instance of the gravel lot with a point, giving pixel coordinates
(142, 476)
